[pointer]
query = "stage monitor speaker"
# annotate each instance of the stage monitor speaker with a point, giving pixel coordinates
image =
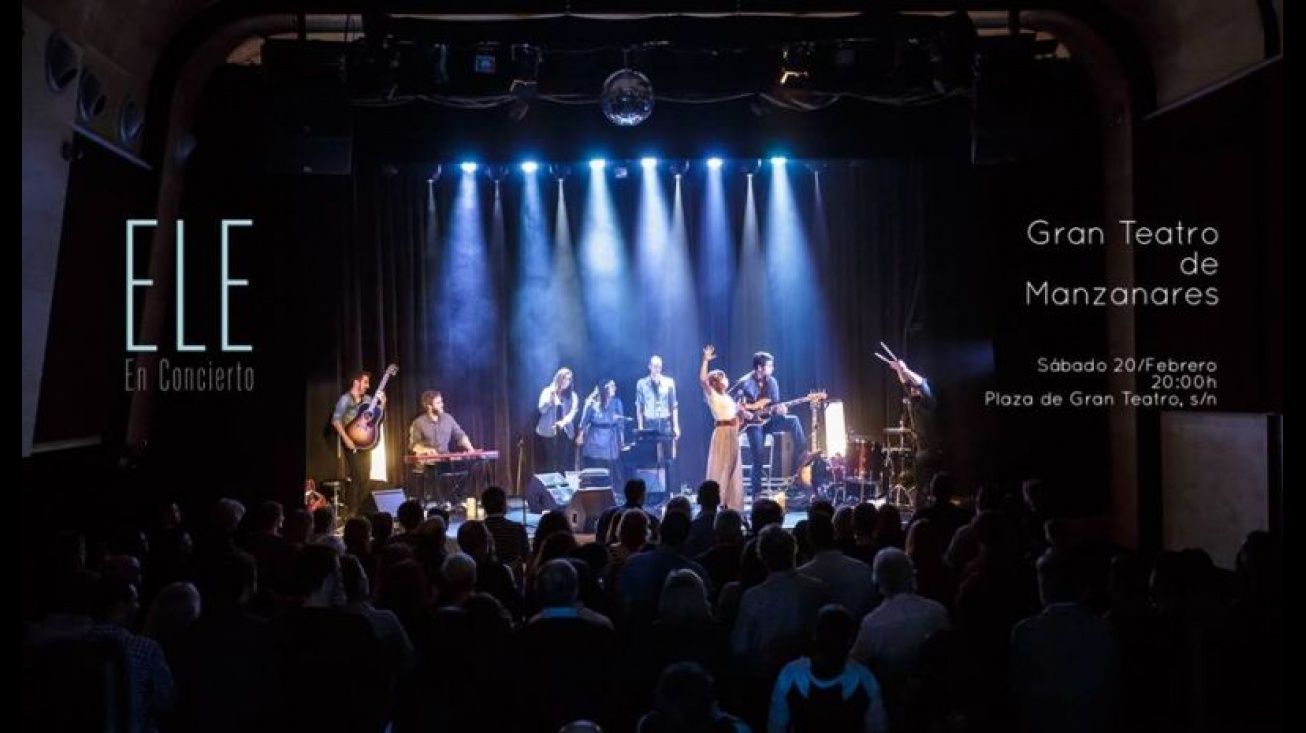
(593, 478)
(388, 500)
(585, 507)
(547, 491)
(655, 485)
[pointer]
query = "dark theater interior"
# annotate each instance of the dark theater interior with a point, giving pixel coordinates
(577, 366)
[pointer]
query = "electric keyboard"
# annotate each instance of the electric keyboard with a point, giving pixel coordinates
(439, 458)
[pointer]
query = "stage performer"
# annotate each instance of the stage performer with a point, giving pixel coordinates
(760, 384)
(657, 409)
(436, 431)
(723, 464)
(602, 432)
(556, 427)
(358, 461)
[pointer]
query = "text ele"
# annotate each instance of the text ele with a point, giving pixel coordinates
(225, 284)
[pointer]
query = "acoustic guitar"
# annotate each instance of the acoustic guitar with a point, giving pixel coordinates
(365, 429)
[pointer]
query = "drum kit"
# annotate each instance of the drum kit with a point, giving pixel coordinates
(863, 467)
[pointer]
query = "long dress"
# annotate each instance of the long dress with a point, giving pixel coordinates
(723, 465)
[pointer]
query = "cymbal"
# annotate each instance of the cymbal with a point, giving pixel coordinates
(898, 431)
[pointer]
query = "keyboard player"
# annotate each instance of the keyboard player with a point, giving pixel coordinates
(436, 432)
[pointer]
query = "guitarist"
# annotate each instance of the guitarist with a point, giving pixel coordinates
(358, 461)
(752, 389)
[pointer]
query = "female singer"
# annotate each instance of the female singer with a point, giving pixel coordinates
(556, 427)
(723, 465)
(602, 431)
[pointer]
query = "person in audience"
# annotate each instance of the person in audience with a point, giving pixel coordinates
(322, 634)
(635, 492)
(226, 665)
(679, 504)
(934, 578)
(827, 692)
(685, 630)
(947, 515)
(492, 576)
(775, 618)
(632, 535)
(721, 561)
(646, 572)
(850, 582)
(686, 703)
(865, 519)
(702, 534)
(153, 692)
(510, 543)
(963, 547)
(567, 658)
(171, 613)
(1064, 672)
(890, 638)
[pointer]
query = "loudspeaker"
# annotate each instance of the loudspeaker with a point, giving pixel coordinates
(388, 500)
(594, 478)
(312, 132)
(655, 483)
(585, 507)
(547, 491)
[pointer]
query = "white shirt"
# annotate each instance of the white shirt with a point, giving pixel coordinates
(722, 407)
(891, 636)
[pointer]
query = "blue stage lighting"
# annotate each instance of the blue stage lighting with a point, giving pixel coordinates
(714, 163)
(530, 166)
(468, 167)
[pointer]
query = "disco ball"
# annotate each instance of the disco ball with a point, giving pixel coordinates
(627, 98)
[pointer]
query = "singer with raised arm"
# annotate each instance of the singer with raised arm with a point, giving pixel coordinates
(556, 427)
(760, 393)
(357, 458)
(657, 409)
(723, 464)
(602, 431)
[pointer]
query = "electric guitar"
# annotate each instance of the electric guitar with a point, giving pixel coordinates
(365, 429)
(762, 409)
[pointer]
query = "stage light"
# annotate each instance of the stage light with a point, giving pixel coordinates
(620, 169)
(750, 167)
(796, 64)
(526, 70)
(437, 58)
(598, 164)
(714, 163)
(468, 167)
(778, 161)
(679, 168)
(485, 61)
(496, 173)
(627, 98)
(530, 166)
(648, 164)
(436, 172)
(559, 171)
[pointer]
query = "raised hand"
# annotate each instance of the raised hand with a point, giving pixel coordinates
(709, 352)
